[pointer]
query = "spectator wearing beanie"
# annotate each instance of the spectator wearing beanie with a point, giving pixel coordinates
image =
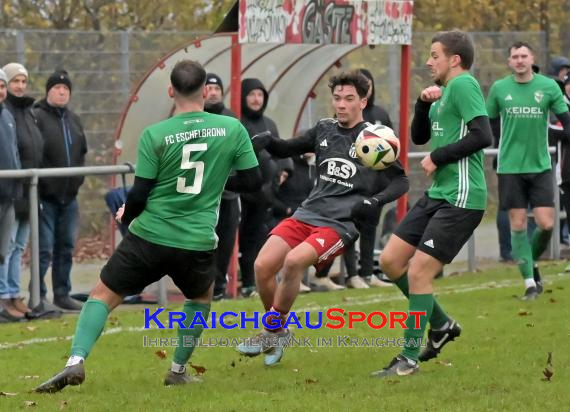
(64, 146)
(9, 160)
(30, 145)
(228, 215)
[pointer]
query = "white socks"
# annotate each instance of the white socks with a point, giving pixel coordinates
(74, 360)
(176, 368)
(529, 283)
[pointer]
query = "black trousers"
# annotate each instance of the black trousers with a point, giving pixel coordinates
(226, 229)
(253, 231)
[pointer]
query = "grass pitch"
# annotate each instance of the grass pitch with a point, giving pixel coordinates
(497, 364)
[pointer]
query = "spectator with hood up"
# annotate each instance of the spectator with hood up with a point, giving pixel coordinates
(256, 207)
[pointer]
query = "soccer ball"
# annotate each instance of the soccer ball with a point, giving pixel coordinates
(377, 147)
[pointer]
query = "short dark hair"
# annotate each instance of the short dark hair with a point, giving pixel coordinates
(518, 45)
(456, 42)
(187, 77)
(352, 78)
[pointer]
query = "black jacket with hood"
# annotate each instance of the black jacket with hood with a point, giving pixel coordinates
(255, 122)
(65, 145)
(373, 113)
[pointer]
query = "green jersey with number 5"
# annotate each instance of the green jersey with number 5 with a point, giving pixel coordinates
(190, 156)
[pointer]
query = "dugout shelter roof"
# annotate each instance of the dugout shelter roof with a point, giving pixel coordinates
(289, 72)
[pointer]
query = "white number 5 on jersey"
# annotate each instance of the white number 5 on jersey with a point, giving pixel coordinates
(186, 164)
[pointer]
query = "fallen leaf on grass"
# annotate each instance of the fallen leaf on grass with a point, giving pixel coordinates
(31, 328)
(548, 291)
(444, 363)
(523, 312)
(63, 404)
(548, 372)
(233, 364)
(7, 394)
(30, 403)
(29, 377)
(559, 288)
(552, 300)
(310, 380)
(530, 325)
(161, 354)
(114, 321)
(200, 370)
(295, 370)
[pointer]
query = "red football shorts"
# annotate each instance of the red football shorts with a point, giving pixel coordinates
(324, 240)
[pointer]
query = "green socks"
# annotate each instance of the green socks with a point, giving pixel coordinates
(412, 336)
(539, 242)
(89, 327)
(438, 317)
(522, 252)
(187, 337)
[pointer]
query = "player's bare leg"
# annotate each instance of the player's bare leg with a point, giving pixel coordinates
(276, 254)
(294, 266)
(90, 324)
(395, 257)
(268, 263)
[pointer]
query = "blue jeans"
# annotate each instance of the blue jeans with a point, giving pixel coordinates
(11, 270)
(58, 230)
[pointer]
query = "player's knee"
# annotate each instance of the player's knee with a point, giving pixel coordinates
(292, 266)
(264, 266)
(547, 225)
(103, 293)
(390, 266)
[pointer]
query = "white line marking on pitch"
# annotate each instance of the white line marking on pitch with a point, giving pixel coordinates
(446, 290)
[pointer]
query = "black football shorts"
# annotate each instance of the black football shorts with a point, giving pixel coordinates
(438, 228)
(137, 263)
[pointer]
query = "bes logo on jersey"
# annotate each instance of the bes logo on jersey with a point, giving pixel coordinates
(339, 167)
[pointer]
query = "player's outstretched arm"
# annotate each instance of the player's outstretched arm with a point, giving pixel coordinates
(478, 137)
(284, 148)
(136, 199)
(421, 128)
(245, 181)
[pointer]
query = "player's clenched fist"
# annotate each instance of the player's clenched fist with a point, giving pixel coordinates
(430, 94)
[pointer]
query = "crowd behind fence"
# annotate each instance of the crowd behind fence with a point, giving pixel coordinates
(34, 174)
(105, 67)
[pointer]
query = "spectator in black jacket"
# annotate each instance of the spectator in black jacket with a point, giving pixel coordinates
(30, 145)
(64, 146)
(256, 207)
(228, 216)
(9, 188)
